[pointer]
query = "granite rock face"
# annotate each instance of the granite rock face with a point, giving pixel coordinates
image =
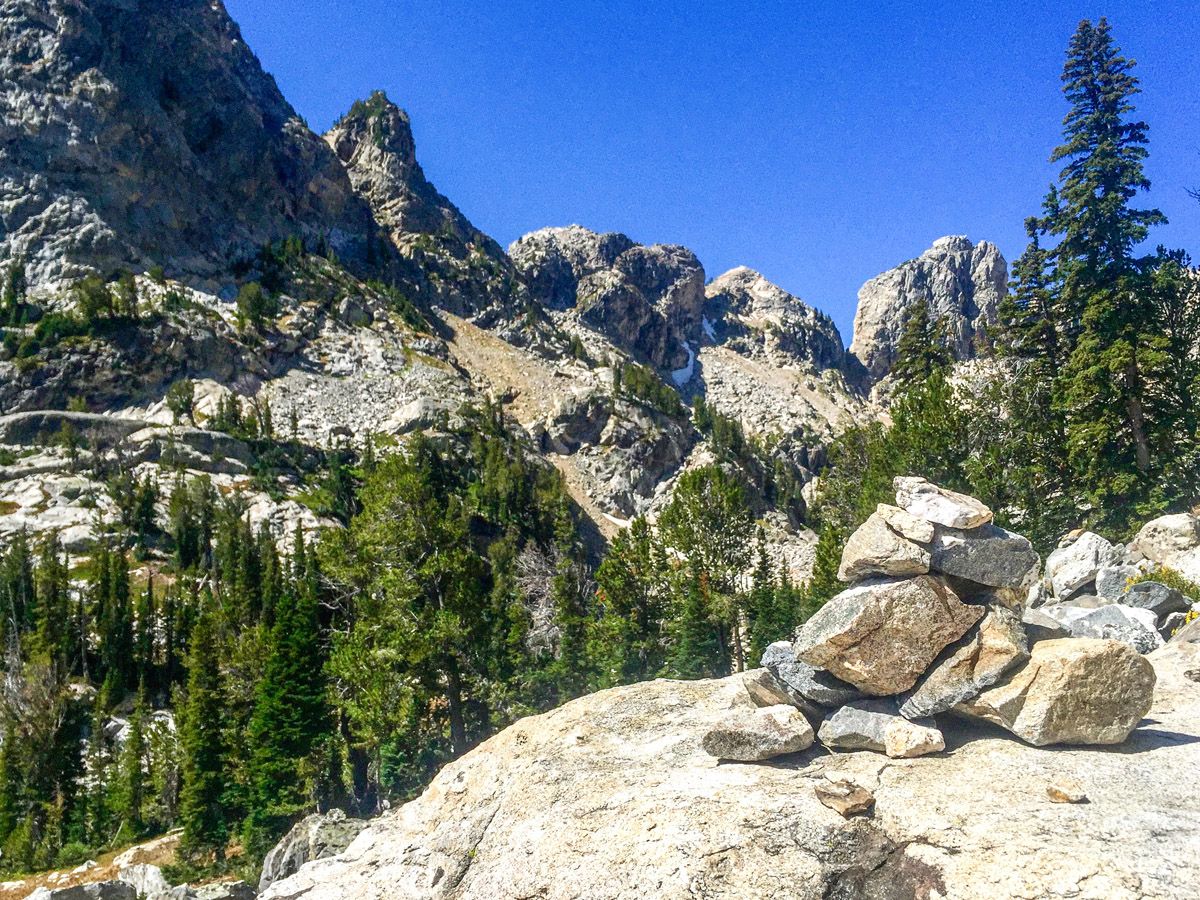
(961, 283)
(444, 260)
(612, 795)
(135, 134)
(646, 300)
(313, 837)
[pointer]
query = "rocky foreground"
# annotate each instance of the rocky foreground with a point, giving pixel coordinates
(923, 736)
(613, 796)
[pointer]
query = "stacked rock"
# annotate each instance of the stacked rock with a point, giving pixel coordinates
(932, 624)
(1093, 588)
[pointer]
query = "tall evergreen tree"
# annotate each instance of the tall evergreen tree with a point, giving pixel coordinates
(205, 763)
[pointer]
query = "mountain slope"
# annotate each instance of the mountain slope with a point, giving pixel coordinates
(142, 134)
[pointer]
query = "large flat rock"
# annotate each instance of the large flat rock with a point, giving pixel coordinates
(612, 796)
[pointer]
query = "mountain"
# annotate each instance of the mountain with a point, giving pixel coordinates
(962, 284)
(135, 134)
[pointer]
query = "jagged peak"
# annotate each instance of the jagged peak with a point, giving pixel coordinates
(377, 118)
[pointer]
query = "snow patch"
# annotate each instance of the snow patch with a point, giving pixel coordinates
(708, 328)
(684, 375)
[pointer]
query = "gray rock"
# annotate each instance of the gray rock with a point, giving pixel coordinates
(976, 661)
(1070, 568)
(1171, 624)
(1041, 627)
(100, 890)
(876, 549)
(1112, 581)
(317, 836)
(928, 501)
(875, 725)
(222, 890)
(354, 312)
(759, 734)
(882, 635)
(961, 283)
(987, 555)
(150, 883)
(1156, 597)
(1053, 698)
(808, 682)
(1136, 627)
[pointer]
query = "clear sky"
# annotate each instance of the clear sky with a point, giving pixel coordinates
(819, 142)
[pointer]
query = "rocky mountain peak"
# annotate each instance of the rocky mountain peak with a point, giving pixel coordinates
(742, 302)
(445, 260)
(961, 282)
(647, 300)
(135, 134)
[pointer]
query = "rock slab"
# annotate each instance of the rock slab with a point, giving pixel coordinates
(881, 636)
(750, 736)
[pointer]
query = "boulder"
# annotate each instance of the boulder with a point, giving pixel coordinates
(927, 501)
(976, 661)
(222, 890)
(882, 635)
(1075, 691)
(313, 837)
(875, 725)
(1171, 624)
(750, 736)
(906, 524)
(611, 795)
(875, 549)
(98, 890)
(1042, 627)
(1156, 597)
(808, 682)
(1076, 565)
(987, 555)
(1171, 541)
(1112, 581)
(1136, 627)
(150, 884)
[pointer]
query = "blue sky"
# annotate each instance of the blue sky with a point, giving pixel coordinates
(819, 143)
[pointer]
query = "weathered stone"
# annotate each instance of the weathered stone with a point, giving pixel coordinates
(1172, 541)
(906, 524)
(759, 734)
(882, 635)
(767, 690)
(875, 549)
(875, 725)
(1066, 790)
(976, 661)
(1075, 566)
(938, 505)
(1041, 627)
(806, 681)
(988, 555)
(1156, 597)
(845, 797)
(1075, 691)
(313, 837)
(1136, 627)
(1112, 581)
(149, 883)
(1171, 624)
(637, 809)
(99, 890)
(222, 890)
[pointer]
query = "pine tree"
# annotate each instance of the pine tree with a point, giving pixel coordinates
(202, 738)
(921, 350)
(1116, 349)
(697, 650)
(290, 715)
(53, 605)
